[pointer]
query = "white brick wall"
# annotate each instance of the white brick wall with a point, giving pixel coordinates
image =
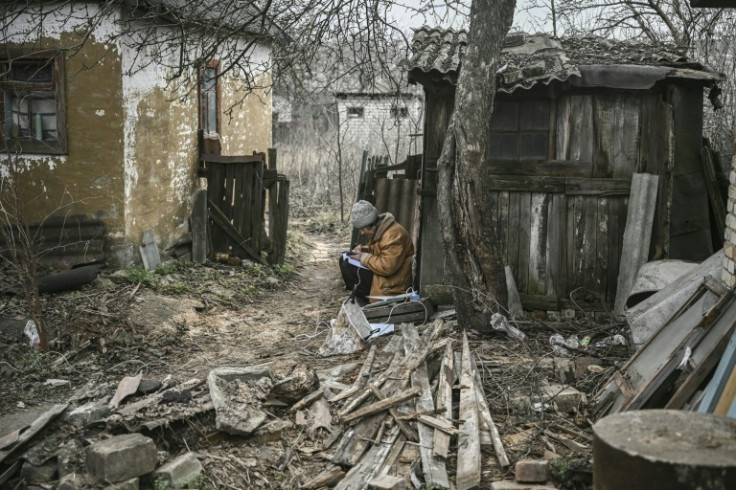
(379, 131)
(729, 247)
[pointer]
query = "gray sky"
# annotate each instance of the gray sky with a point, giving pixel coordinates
(523, 20)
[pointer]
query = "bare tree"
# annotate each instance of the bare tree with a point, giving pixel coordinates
(475, 262)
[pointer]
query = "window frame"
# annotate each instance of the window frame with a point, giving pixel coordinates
(355, 112)
(204, 121)
(399, 112)
(29, 144)
(520, 131)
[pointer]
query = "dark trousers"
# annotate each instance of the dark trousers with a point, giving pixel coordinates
(356, 279)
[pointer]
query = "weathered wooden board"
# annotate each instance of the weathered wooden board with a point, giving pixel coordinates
(524, 227)
(637, 235)
(468, 441)
(538, 244)
(441, 446)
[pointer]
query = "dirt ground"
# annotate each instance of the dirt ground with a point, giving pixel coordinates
(186, 320)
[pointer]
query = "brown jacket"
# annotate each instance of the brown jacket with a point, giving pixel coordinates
(390, 254)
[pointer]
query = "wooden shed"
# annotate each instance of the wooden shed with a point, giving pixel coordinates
(574, 119)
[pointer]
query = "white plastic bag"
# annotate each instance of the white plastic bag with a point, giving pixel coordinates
(32, 333)
(499, 322)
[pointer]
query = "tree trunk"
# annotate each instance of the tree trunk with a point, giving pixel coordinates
(475, 265)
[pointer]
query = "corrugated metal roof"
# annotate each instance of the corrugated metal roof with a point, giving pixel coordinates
(540, 58)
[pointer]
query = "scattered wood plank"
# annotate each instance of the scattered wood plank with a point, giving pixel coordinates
(370, 465)
(380, 406)
(444, 401)
(408, 432)
(702, 329)
(487, 423)
(328, 478)
(433, 467)
(441, 424)
(468, 444)
(364, 393)
(361, 380)
(308, 400)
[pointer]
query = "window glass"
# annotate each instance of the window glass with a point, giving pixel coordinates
(520, 130)
(31, 102)
(355, 112)
(209, 100)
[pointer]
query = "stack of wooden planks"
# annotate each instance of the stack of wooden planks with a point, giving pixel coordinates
(399, 419)
(672, 368)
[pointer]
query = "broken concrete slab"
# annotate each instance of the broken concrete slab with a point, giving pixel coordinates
(121, 458)
(180, 472)
(239, 392)
(566, 398)
(531, 471)
(88, 413)
(38, 424)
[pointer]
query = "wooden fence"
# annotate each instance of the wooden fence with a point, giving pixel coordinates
(247, 207)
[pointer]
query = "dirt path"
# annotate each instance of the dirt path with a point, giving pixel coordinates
(290, 317)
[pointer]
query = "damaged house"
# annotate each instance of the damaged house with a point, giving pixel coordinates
(102, 123)
(574, 121)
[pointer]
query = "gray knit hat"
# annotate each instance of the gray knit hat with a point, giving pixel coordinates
(363, 214)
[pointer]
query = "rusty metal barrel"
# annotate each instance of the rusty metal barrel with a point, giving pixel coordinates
(664, 450)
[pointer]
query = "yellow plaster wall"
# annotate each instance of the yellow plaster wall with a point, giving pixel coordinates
(249, 129)
(88, 180)
(164, 162)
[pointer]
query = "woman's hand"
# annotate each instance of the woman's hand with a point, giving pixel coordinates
(357, 253)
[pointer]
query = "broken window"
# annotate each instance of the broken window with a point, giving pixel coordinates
(33, 104)
(209, 99)
(355, 112)
(399, 112)
(520, 130)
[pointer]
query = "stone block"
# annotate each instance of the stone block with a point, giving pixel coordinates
(566, 398)
(121, 458)
(179, 471)
(568, 314)
(532, 471)
(42, 473)
(554, 316)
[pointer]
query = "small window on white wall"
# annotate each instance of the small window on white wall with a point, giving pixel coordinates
(355, 112)
(209, 99)
(397, 112)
